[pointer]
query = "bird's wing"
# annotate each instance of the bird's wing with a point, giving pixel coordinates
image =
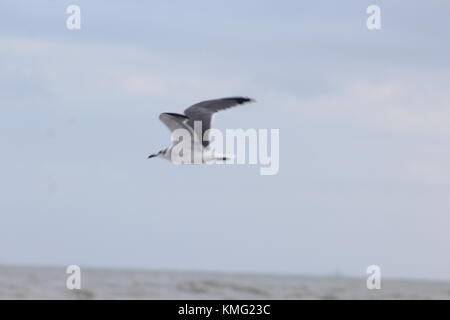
(203, 111)
(175, 121)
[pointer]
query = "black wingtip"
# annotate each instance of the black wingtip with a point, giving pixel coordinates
(241, 100)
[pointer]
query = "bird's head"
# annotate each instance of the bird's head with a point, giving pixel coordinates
(157, 154)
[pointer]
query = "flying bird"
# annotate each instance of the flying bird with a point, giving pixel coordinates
(199, 113)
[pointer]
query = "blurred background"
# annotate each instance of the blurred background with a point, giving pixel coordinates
(364, 119)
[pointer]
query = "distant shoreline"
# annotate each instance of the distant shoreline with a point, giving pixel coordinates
(49, 282)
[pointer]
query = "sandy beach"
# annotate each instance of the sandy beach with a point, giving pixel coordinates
(23, 282)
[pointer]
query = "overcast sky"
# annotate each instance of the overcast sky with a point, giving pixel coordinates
(364, 119)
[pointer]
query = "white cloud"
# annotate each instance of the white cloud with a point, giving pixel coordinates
(404, 103)
(429, 172)
(97, 72)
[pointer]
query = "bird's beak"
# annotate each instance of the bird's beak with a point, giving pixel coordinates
(151, 156)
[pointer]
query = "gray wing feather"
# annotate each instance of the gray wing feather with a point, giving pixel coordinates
(203, 111)
(175, 121)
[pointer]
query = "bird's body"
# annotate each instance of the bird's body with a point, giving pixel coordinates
(195, 122)
(203, 156)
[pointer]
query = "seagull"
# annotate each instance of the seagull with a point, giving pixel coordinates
(199, 113)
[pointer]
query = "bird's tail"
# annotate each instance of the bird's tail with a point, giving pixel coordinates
(223, 157)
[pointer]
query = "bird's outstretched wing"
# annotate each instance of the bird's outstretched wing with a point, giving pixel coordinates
(175, 121)
(203, 111)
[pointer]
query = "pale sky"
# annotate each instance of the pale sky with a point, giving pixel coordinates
(364, 119)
